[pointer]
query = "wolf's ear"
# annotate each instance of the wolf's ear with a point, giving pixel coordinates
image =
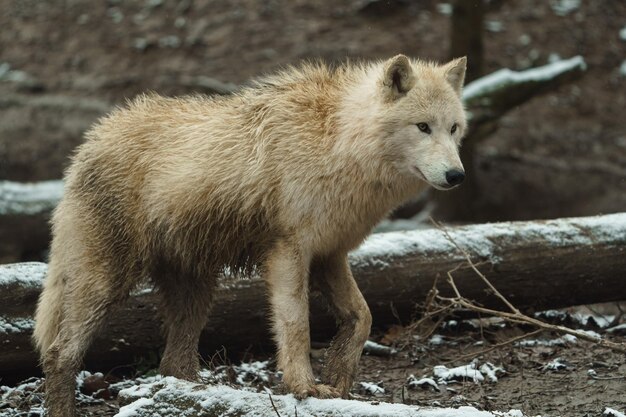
(455, 73)
(398, 77)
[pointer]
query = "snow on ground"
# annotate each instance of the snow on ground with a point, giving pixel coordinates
(564, 7)
(425, 383)
(612, 413)
(29, 198)
(583, 319)
(463, 372)
(376, 349)
(171, 396)
(443, 375)
(496, 80)
(622, 33)
(559, 341)
(16, 325)
(494, 26)
(372, 388)
(444, 8)
(619, 329)
(557, 364)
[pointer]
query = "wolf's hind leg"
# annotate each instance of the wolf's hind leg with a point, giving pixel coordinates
(334, 279)
(89, 295)
(185, 305)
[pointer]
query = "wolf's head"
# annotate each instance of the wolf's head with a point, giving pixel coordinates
(424, 119)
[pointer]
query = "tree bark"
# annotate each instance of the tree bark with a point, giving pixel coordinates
(537, 265)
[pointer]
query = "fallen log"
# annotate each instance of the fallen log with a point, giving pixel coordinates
(537, 265)
(24, 213)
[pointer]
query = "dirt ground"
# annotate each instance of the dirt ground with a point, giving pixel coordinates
(565, 152)
(585, 380)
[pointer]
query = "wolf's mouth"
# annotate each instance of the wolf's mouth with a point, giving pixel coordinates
(419, 173)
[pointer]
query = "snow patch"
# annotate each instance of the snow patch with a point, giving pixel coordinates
(490, 371)
(29, 198)
(622, 69)
(464, 372)
(436, 340)
(557, 364)
(564, 7)
(372, 388)
(376, 349)
(175, 397)
(622, 33)
(560, 341)
(134, 408)
(582, 319)
(496, 80)
(494, 26)
(619, 329)
(469, 372)
(425, 383)
(612, 413)
(445, 9)
(28, 274)
(12, 325)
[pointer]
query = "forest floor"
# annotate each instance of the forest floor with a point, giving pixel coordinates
(465, 363)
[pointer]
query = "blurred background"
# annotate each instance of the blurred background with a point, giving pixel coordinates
(561, 152)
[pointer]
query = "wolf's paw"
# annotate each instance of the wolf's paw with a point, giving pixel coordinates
(317, 391)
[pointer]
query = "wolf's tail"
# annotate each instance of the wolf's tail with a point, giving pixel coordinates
(49, 310)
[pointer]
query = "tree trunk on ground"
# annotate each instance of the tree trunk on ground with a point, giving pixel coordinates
(537, 265)
(24, 213)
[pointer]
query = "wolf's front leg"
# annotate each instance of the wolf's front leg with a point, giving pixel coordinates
(334, 278)
(286, 272)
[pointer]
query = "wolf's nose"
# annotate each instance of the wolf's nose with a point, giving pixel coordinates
(455, 177)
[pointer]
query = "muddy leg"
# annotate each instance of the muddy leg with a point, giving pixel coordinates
(286, 273)
(185, 305)
(88, 299)
(334, 278)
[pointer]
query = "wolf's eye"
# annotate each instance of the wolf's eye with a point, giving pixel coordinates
(424, 127)
(453, 129)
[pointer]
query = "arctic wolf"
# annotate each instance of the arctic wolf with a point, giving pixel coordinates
(284, 177)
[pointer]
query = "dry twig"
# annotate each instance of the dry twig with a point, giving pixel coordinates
(274, 406)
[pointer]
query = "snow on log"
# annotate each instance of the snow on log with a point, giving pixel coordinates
(538, 265)
(29, 198)
(171, 396)
(489, 97)
(24, 213)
